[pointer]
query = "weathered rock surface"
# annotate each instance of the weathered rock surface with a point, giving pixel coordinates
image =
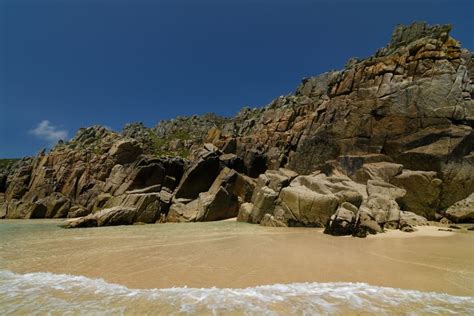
(3, 206)
(384, 171)
(107, 217)
(308, 208)
(148, 205)
(263, 202)
(462, 211)
(411, 101)
(200, 176)
(366, 224)
(272, 221)
(381, 144)
(410, 219)
(332, 200)
(245, 210)
(267, 189)
(77, 211)
(125, 151)
(342, 222)
(57, 205)
(221, 201)
(422, 192)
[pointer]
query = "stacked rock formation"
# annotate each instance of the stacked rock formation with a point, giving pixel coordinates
(386, 142)
(80, 177)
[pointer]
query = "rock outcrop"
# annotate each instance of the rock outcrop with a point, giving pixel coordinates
(221, 201)
(98, 168)
(334, 201)
(106, 217)
(411, 101)
(422, 192)
(384, 143)
(462, 211)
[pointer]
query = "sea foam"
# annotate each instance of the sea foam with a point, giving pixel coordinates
(60, 293)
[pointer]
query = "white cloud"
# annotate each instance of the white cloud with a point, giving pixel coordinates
(44, 130)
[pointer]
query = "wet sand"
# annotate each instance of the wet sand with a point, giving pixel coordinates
(237, 255)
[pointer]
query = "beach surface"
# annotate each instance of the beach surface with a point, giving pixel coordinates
(232, 255)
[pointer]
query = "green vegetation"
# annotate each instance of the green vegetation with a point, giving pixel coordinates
(97, 150)
(4, 163)
(182, 135)
(161, 146)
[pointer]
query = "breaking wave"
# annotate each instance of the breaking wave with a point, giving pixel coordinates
(60, 293)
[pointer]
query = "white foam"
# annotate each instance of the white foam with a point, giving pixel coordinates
(61, 293)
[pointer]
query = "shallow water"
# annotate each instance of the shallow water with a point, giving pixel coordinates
(229, 267)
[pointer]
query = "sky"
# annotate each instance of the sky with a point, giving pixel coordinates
(66, 64)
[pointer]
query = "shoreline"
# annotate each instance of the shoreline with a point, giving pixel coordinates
(229, 254)
(433, 229)
(84, 295)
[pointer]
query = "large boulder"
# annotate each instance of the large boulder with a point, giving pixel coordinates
(116, 216)
(422, 192)
(458, 182)
(199, 176)
(342, 222)
(221, 201)
(302, 200)
(384, 171)
(245, 210)
(308, 207)
(342, 187)
(385, 211)
(278, 179)
(244, 187)
(378, 211)
(144, 173)
(218, 205)
(270, 221)
(107, 217)
(408, 220)
(263, 201)
(377, 188)
(82, 222)
(237, 184)
(381, 203)
(182, 213)
(267, 189)
(125, 151)
(148, 205)
(365, 224)
(57, 205)
(209, 206)
(77, 211)
(462, 211)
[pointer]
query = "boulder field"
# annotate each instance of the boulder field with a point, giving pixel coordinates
(386, 142)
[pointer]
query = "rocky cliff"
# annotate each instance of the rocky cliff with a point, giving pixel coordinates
(385, 142)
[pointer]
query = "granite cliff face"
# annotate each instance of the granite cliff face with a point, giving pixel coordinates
(385, 142)
(411, 101)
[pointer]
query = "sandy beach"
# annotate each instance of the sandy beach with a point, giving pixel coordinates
(232, 254)
(230, 268)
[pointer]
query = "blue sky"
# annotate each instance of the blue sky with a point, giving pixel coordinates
(65, 64)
